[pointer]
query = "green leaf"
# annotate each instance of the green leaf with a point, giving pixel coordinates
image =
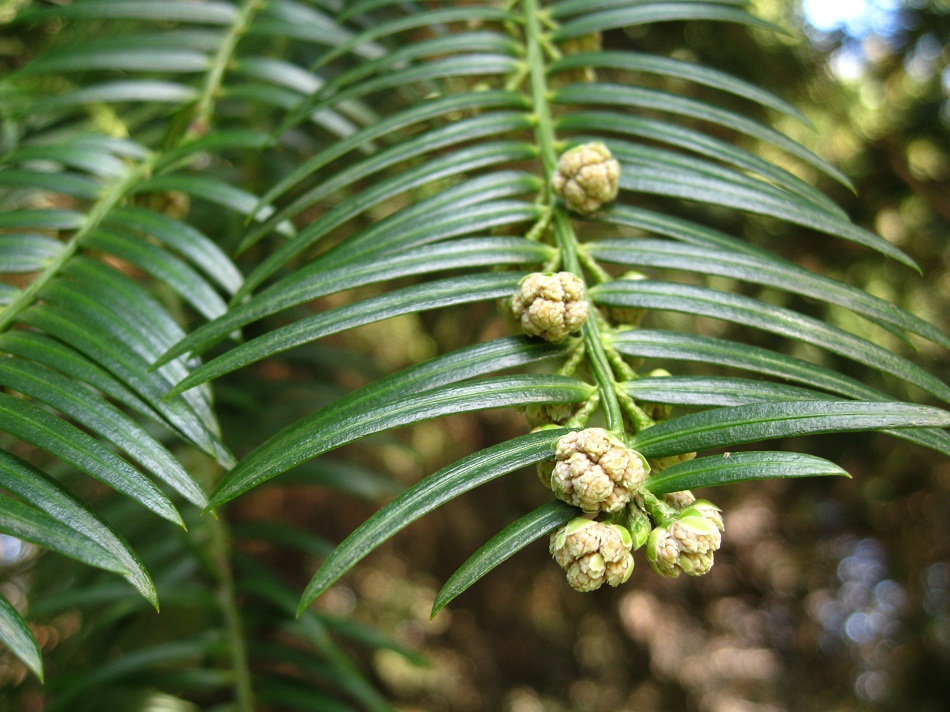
(482, 42)
(131, 369)
(16, 635)
(466, 363)
(163, 266)
(25, 252)
(693, 141)
(8, 293)
(462, 364)
(286, 82)
(640, 98)
(286, 535)
(42, 219)
(647, 343)
(314, 280)
(290, 18)
(66, 442)
(678, 184)
(122, 57)
(344, 477)
(503, 546)
(214, 143)
(422, 297)
(354, 8)
(25, 522)
(489, 124)
(468, 14)
(75, 185)
(714, 391)
(209, 11)
(437, 169)
(668, 67)
(568, 8)
(291, 694)
(336, 425)
(86, 157)
(191, 41)
(139, 90)
(142, 321)
(28, 483)
(121, 147)
(432, 492)
(774, 272)
(99, 416)
(428, 110)
(191, 243)
(34, 346)
(750, 312)
(643, 343)
(724, 427)
(739, 467)
(359, 632)
(657, 12)
(214, 191)
(413, 227)
(114, 307)
(474, 64)
(776, 189)
(133, 662)
(679, 229)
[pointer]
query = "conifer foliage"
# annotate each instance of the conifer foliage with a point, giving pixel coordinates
(181, 180)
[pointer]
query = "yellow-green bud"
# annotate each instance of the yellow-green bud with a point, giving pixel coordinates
(585, 43)
(550, 305)
(544, 470)
(679, 499)
(686, 542)
(592, 553)
(538, 414)
(662, 463)
(596, 471)
(640, 526)
(663, 553)
(710, 512)
(658, 411)
(587, 177)
(627, 316)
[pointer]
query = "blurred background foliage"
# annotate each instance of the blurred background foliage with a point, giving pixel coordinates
(831, 595)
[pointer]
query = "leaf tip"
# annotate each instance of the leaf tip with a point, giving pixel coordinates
(180, 388)
(36, 666)
(437, 607)
(152, 597)
(164, 359)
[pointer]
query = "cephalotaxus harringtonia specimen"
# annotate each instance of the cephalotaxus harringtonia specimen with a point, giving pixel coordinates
(595, 471)
(687, 541)
(593, 553)
(587, 177)
(550, 305)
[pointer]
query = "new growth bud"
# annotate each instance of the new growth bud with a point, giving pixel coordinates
(627, 316)
(538, 414)
(587, 177)
(550, 305)
(687, 542)
(592, 553)
(595, 471)
(678, 500)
